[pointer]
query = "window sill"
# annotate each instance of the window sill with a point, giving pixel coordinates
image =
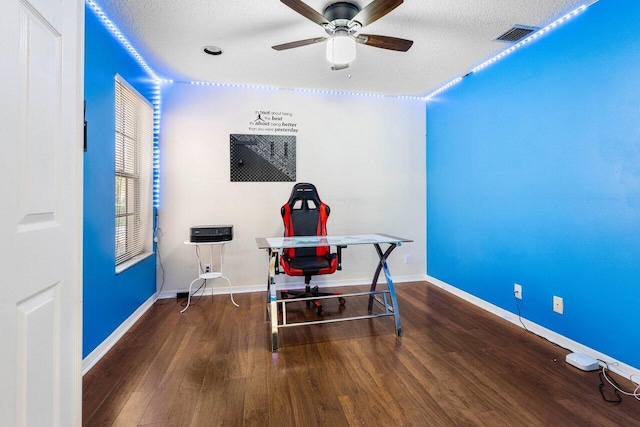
(133, 261)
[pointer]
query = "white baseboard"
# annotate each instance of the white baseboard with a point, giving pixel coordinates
(99, 352)
(217, 290)
(616, 366)
(222, 289)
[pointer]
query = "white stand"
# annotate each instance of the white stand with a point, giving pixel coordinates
(211, 274)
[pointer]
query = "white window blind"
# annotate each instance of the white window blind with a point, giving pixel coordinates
(134, 157)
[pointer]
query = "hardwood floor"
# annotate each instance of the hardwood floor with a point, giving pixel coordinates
(454, 365)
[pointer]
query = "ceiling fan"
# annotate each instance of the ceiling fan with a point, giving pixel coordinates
(342, 21)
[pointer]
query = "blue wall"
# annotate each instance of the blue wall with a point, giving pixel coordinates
(533, 176)
(109, 299)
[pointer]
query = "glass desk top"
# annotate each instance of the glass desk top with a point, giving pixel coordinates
(330, 240)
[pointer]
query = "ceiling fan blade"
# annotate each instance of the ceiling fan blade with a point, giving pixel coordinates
(299, 43)
(384, 42)
(306, 11)
(375, 10)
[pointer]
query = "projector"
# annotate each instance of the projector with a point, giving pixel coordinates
(211, 233)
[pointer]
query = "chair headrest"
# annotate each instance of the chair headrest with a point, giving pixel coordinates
(304, 191)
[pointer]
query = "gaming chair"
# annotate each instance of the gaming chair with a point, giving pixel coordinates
(305, 214)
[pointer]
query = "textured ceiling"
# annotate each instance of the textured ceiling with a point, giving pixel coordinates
(450, 38)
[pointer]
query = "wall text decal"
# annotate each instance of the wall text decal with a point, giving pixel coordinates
(273, 121)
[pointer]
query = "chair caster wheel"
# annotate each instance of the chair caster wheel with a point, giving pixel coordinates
(319, 309)
(341, 301)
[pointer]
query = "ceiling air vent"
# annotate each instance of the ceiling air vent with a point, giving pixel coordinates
(515, 34)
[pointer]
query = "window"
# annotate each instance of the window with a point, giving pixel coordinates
(133, 198)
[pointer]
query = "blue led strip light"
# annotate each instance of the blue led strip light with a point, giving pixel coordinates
(314, 91)
(445, 87)
(157, 106)
(155, 98)
(108, 23)
(156, 103)
(531, 38)
(510, 50)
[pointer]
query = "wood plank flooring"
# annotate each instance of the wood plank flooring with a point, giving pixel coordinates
(454, 365)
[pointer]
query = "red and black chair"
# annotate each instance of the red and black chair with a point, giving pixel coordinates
(306, 215)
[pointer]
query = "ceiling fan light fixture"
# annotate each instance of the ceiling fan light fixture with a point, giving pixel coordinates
(341, 49)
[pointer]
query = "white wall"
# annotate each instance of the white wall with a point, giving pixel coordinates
(365, 155)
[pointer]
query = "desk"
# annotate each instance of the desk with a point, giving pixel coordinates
(274, 245)
(208, 275)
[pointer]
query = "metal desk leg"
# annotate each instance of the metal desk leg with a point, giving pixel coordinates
(382, 257)
(266, 312)
(382, 265)
(394, 300)
(272, 305)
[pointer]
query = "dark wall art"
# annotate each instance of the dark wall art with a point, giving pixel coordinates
(263, 158)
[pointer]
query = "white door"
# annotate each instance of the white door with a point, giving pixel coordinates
(41, 60)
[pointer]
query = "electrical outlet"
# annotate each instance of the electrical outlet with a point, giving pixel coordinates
(517, 290)
(207, 268)
(407, 259)
(558, 305)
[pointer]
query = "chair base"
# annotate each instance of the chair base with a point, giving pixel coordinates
(310, 292)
